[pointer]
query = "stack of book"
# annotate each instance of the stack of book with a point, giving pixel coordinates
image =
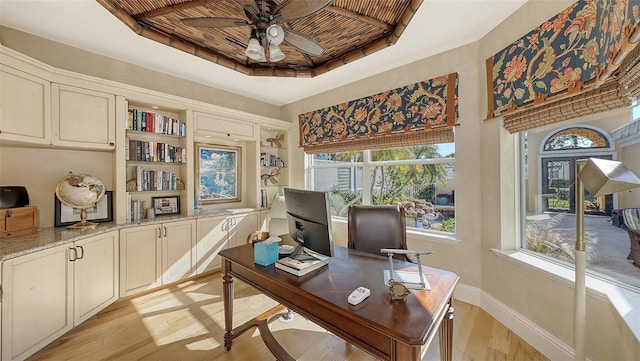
(300, 268)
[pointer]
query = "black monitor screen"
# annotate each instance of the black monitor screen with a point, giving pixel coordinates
(309, 220)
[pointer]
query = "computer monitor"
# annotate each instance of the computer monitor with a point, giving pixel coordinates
(309, 222)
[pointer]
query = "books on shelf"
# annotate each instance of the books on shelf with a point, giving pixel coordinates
(143, 121)
(270, 160)
(156, 180)
(135, 209)
(149, 151)
(263, 198)
(301, 268)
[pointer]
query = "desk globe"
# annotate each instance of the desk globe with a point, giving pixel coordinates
(80, 191)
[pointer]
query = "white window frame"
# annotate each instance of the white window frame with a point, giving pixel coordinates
(366, 166)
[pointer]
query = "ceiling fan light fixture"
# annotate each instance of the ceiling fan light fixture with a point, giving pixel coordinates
(275, 34)
(255, 51)
(275, 53)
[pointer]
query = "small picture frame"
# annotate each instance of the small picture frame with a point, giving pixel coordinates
(165, 205)
(66, 216)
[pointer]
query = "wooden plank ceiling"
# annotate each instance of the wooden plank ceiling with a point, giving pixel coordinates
(348, 30)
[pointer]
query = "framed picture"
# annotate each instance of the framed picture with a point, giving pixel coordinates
(165, 205)
(218, 173)
(101, 212)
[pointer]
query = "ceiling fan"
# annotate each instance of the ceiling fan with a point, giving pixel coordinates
(265, 18)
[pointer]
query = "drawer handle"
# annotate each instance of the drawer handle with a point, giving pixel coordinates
(81, 255)
(75, 254)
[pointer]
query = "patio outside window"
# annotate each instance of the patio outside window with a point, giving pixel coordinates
(548, 157)
(420, 178)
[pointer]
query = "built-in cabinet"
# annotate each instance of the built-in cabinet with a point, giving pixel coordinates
(223, 126)
(274, 163)
(219, 232)
(47, 293)
(156, 152)
(156, 254)
(37, 111)
(25, 107)
(82, 118)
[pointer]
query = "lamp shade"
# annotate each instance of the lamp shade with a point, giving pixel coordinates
(275, 53)
(601, 177)
(275, 34)
(255, 51)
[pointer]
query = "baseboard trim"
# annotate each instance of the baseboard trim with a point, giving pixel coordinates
(549, 345)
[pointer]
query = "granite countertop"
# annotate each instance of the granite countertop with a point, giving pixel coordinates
(55, 236)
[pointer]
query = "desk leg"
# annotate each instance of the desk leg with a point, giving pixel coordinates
(446, 335)
(227, 295)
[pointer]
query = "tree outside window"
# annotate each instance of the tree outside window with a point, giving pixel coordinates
(410, 176)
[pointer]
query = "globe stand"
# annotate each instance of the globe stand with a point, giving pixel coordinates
(83, 224)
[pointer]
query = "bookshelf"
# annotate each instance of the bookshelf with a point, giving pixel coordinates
(156, 154)
(274, 164)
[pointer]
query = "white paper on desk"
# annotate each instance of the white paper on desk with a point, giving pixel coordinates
(408, 279)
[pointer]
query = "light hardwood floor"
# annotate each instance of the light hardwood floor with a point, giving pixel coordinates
(185, 321)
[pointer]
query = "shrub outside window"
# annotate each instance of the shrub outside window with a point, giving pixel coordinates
(420, 178)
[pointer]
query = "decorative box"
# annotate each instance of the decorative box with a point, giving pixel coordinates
(21, 221)
(265, 254)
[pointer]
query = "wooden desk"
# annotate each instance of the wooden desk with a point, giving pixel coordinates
(384, 328)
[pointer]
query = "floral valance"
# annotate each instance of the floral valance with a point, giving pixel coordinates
(377, 119)
(567, 54)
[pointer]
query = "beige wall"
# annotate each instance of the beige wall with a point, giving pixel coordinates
(40, 170)
(462, 257)
(485, 156)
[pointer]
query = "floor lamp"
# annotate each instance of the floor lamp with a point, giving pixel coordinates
(599, 177)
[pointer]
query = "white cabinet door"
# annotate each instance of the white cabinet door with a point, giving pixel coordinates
(37, 301)
(140, 259)
(223, 127)
(95, 275)
(212, 237)
(178, 250)
(241, 227)
(25, 107)
(82, 118)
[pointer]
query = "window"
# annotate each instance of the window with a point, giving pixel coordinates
(420, 178)
(547, 190)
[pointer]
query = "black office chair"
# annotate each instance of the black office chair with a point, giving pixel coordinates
(372, 228)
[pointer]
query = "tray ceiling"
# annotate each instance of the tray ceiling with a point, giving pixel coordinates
(347, 29)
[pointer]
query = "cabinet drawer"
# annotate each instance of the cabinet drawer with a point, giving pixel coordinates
(18, 221)
(216, 125)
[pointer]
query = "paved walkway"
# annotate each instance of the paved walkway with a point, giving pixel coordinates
(607, 246)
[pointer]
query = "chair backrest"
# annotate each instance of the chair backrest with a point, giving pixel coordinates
(631, 218)
(371, 228)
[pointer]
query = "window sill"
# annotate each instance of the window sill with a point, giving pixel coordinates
(416, 234)
(625, 299)
(432, 236)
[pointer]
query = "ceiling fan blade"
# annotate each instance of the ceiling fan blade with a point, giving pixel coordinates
(303, 43)
(295, 9)
(214, 22)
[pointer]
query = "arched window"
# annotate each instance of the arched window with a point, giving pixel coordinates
(576, 138)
